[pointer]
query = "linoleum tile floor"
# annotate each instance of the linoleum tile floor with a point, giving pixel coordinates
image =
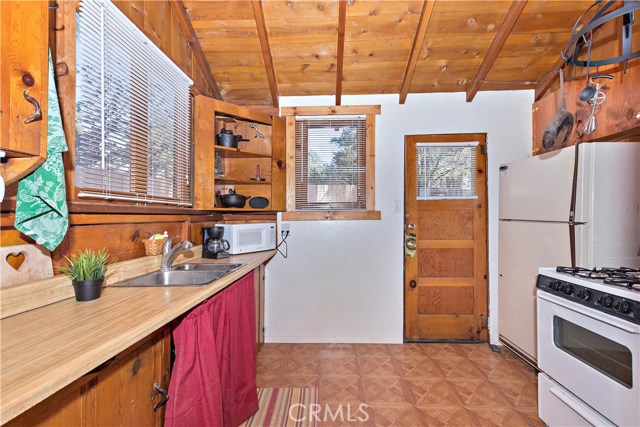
(407, 384)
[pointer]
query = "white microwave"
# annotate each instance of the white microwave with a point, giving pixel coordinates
(245, 238)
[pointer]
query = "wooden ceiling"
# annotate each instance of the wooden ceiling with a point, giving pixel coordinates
(259, 50)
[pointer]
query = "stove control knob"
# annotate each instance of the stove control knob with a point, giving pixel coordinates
(556, 285)
(567, 289)
(622, 306)
(584, 295)
(608, 301)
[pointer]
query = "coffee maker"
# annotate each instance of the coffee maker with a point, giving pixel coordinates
(213, 245)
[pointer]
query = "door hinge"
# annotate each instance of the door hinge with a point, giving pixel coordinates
(483, 149)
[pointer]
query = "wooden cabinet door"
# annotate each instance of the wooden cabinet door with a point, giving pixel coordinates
(125, 392)
(67, 407)
(23, 82)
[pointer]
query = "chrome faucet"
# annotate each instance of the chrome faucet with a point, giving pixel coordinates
(170, 253)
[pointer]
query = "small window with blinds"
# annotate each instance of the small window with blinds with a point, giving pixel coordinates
(133, 113)
(446, 170)
(330, 163)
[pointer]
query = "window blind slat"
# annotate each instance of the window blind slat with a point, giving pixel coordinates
(133, 112)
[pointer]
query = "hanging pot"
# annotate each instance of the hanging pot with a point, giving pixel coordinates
(559, 128)
(233, 200)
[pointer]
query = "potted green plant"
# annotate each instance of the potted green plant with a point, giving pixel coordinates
(86, 269)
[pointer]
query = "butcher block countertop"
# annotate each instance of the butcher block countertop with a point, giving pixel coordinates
(47, 348)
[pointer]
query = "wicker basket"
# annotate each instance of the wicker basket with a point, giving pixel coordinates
(153, 247)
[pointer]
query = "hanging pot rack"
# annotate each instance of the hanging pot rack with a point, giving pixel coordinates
(579, 33)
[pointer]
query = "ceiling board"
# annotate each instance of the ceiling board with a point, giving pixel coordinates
(456, 46)
(241, 59)
(377, 8)
(384, 71)
(303, 38)
(305, 30)
(304, 52)
(381, 27)
(370, 56)
(297, 9)
(218, 10)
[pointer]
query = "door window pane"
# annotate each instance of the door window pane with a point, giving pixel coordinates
(446, 170)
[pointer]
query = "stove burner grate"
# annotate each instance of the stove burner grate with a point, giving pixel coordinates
(619, 276)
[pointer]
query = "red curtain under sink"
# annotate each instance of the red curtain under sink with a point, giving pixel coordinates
(213, 380)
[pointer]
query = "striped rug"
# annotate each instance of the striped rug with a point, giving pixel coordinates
(284, 407)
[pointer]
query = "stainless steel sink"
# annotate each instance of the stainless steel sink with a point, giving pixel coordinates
(227, 268)
(182, 275)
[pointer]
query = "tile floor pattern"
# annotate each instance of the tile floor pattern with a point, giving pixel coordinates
(408, 384)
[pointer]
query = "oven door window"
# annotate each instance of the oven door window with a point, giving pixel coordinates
(609, 357)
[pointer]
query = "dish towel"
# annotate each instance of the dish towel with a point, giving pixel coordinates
(41, 203)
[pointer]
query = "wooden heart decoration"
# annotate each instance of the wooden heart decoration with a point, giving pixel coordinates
(15, 260)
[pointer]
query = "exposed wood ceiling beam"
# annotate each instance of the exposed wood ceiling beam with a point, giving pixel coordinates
(342, 19)
(416, 48)
(545, 82)
(266, 50)
(499, 40)
(189, 33)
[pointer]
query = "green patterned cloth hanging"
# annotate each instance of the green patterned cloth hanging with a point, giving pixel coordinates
(41, 205)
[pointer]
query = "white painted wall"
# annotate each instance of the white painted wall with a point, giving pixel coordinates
(342, 281)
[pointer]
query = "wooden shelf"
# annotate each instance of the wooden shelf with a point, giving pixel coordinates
(264, 155)
(231, 181)
(236, 153)
(247, 208)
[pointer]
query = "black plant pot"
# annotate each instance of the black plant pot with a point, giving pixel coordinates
(87, 290)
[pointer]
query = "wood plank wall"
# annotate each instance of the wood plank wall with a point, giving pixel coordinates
(118, 228)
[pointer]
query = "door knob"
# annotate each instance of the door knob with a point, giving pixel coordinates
(413, 284)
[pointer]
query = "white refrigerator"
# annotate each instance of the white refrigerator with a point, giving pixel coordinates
(553, 214)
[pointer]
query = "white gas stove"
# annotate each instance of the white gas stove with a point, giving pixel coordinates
(589, 346)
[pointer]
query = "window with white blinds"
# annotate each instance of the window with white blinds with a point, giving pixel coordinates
(133, 113)
(331, 163)
(446, 170)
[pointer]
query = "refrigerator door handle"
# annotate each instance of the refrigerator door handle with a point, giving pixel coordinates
(572, 208)
(572, 243)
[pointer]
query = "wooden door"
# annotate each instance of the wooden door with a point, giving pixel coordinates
(445, 281)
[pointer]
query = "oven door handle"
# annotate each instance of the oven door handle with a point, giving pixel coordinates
(579, 408)
(609, 320)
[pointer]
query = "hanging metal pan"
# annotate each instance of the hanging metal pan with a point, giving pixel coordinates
(559, 128)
